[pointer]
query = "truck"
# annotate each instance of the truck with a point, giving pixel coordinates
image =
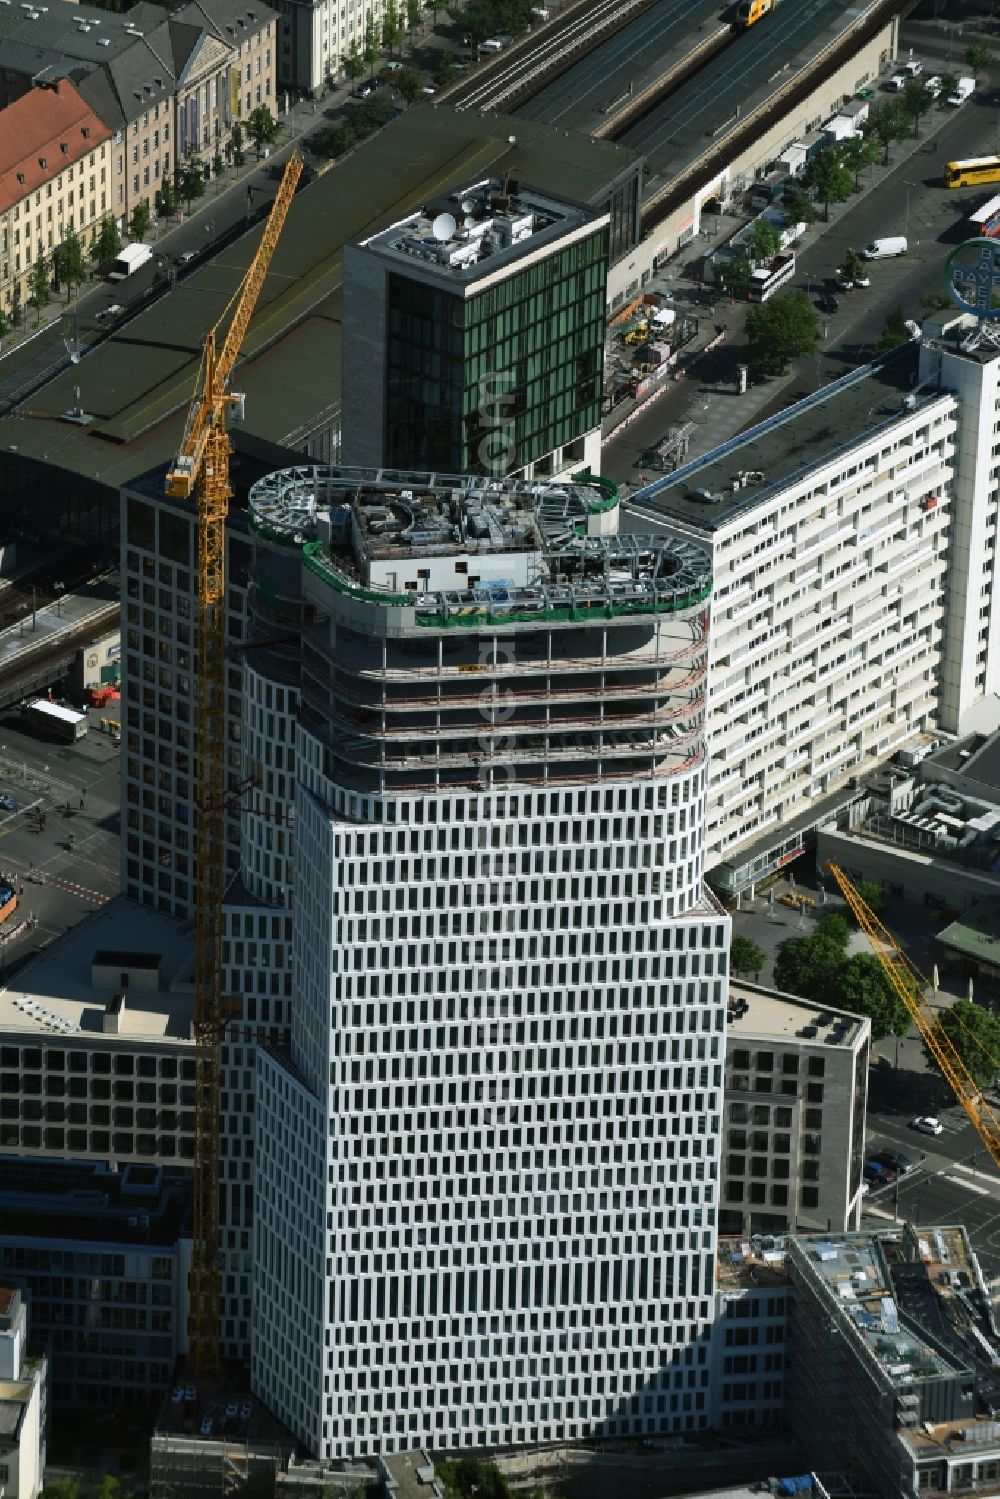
(131, 258)
(966, 87)
(57, 720)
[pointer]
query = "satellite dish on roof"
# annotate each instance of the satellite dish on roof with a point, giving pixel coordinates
(443, 227)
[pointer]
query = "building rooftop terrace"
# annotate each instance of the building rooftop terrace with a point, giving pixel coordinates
(477, 230)
(756, 1013)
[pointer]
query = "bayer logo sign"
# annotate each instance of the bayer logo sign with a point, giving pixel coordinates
(973, 278)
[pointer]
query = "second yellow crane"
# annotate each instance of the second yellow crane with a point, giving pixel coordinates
(911, 988)
(201, 470)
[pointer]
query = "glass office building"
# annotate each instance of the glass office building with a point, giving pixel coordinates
(474, 337)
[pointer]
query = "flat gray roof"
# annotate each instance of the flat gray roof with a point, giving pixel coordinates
(773, 1016)
(139, 382)
(55, 988)
(785, 446)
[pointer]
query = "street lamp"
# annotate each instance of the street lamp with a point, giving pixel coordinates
(906, 220)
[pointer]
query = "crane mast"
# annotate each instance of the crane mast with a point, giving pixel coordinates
(911, 987)
(202, 470)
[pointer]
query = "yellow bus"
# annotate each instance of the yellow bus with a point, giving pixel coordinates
(974, 172)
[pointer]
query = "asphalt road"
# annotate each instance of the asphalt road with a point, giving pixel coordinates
(635, 55)
(907, 198)
(44, 775)
(953, 1181)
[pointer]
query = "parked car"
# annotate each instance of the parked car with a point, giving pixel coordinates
(190, 1392)
(106, 312)
(927, 1124)
(232, 1410)
(177, 1395)
(206, 1426)
(428, 90)
(897, 82)
(186, 257)
(365, 90)
(246, 1410)
(878, 1174)
(914, 67)
(828, 303)
(892, 1158)
(933, 84)
(7, 803)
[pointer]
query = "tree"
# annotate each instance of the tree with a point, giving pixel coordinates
(894, 333)
(833, 928)
(828, 178)
(16, 310)
(433, 6)
(236, 143)
(444, 71)
(854, 266)
(262, 127)
(334, 141)
(871, 891)
(917, 101)
(765, 241)
(975, 1035)
(863, 988)
(407, 82)
(856, 154)
(468, 1476)
(138, 224)
(800, 209)
(190, 182)
(352, 63)
(949, 85)
(370, 48)
(414, 15)
(888, 124)
(63, 1488)
(218, 164)
(935, 301)
(780, 330)
(39, 284)
(107, 244)
(733, 275)
(746, 956)
(978, 55)
(69, 262)
(808, 967)
(166, 199)
(392, 29)
(4, 325)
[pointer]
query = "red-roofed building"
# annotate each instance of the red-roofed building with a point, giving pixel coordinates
(55, 175)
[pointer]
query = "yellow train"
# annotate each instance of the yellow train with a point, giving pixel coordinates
(750, 12)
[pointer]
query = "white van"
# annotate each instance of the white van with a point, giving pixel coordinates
(883, 249)
(491, 45)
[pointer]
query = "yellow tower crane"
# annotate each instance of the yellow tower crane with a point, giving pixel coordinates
(202, 470)
(911, 987)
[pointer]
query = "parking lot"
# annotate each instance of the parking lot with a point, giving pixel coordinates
(59, 846)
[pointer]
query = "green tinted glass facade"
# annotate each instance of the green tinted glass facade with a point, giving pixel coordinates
(494, 381)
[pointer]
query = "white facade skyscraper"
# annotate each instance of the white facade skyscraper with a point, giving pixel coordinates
(486, 1169)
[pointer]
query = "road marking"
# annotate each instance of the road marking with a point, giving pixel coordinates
(960, 1181)
(877, 1213)
(982, 1176)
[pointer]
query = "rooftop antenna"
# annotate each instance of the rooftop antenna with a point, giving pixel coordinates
(443, 227)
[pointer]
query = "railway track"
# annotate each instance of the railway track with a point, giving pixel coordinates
(532, 61)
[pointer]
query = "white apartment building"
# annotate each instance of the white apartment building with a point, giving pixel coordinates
(970, 670)
(828, 528)
(486, 1167)
(23, 1403)
(315, 36)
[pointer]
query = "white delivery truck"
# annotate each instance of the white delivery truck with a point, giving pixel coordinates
(884, 249)
(965, 89)
(131, 258)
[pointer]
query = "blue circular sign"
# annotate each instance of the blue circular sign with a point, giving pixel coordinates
(973, 280)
